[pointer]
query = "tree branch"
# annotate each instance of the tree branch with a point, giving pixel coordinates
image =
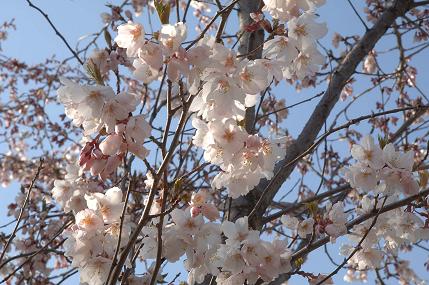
(21, 212)
(340, 76)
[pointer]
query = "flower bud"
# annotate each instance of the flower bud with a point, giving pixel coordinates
(111, 145)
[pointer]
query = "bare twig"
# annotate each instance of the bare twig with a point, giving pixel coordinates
(21, 212)
(56, 31)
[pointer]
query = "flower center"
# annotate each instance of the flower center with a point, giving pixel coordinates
(105, 210)
(88, 221)
(224, 86)
(228, 136)
(136, 32)
(301, 31)
(246, 75)
(368, 154)
(229, 62)
(95, 95)
(169, 43)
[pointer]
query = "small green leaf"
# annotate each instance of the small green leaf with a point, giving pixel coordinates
(312, 207)
(241, 123)
(299, 262)
(108, 38)
(94, 72)
(424, 178)
(163, 11)
(382, 141)
(178, 184)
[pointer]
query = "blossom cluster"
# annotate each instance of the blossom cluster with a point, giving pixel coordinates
(379, 214)
(392, 232)
(243, 158)
(296, 54)
(289, 9)
(388, 174)
(92, 240)
(70, 192)
(242, 256)
(221, 85)
(99, 110)
(382, 175)
(384, 171)
(332, 222)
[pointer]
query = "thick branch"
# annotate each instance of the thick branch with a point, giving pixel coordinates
(361, 219)
(313, 126)
(251, 44)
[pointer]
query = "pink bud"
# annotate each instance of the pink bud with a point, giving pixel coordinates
(98, 166)
(119, 129)
(210, 211)
(409, 184)
(138, 150)
(87, 164)
(195, 211)
(97, 154)
(112, 163)
(111, 144)
(85, 154)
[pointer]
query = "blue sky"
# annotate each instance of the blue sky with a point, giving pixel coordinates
(34, 41)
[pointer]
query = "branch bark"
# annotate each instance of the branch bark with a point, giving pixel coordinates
(251, 44)
(340, 76)
(322, 241)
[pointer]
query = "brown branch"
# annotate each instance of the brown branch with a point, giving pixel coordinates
(160, 225)
(250, 46)
(296, 206)
(406, 124)
(28, 259)
(340, 77)
(360, 220)
(418, 4)
(145, 216)
(118, 245)
(219, 13)
(290, 106)
(358, 15)
(321, 242)
(358, 246)
(262, 197)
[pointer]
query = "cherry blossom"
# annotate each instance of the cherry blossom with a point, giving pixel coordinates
(202, 196)
(131, 37)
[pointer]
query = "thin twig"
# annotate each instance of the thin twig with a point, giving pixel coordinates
(359, 16)
(321, 139)
(56, 31)
(357, 247)
(21, 212)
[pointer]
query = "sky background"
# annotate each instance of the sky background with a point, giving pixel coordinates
(34, 41)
